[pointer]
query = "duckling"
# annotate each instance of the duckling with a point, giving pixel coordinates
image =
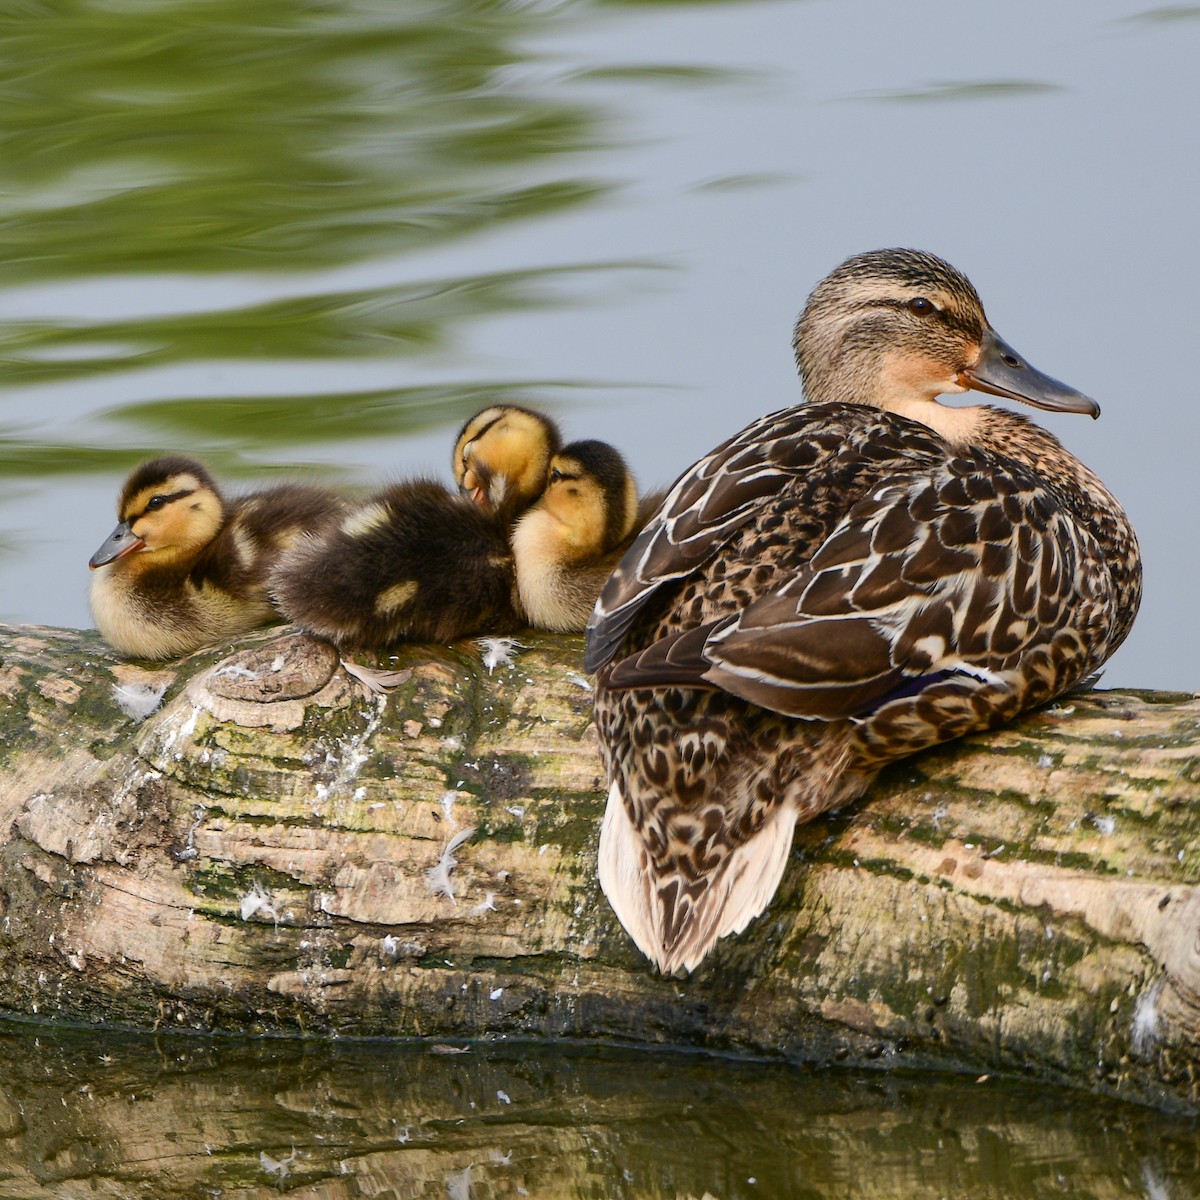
(501, 457)
(417, 562)
(566, 545)
(186, 568)
(839, 585)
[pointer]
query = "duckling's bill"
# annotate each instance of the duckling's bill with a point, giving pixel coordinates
(121, 541)
(1001, 371)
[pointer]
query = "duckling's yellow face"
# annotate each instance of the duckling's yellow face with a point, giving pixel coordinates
(168, 519)
(591, 496)
(502, 456)
(897, 328)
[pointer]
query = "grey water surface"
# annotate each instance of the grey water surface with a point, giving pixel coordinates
(311, 237)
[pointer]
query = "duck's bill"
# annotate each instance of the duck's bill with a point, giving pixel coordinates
(476, 495)
(472, 487)
(1003, 372)
(122, 540)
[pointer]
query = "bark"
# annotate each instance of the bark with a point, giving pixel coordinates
(273, 849)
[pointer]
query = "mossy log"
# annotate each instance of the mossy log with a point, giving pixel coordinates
(275, 849)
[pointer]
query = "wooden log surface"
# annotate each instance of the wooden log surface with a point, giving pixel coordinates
(274, 849)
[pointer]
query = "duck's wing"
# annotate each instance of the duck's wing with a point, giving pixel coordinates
(711, 501)
(969, 572)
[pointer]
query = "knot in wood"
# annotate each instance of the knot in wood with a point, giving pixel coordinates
(287, 668)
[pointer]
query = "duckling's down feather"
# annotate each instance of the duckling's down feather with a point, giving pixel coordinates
(149, 608)
(416, 562)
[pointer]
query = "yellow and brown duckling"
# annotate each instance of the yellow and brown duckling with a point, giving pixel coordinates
(501, 457)
(185, 567)
(417, 562)
(567, 544)
(839, 585)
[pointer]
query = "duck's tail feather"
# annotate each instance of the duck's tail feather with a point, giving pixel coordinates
(674, 922)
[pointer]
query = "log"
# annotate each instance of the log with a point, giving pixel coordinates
(274, 849)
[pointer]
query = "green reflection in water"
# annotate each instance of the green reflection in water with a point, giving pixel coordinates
(669, 73)
(185, 1117)
(225, 425)
(1168, 15)
(170, 141)
(210, 136)
(320, 418)
(364, 323)
(991, 89)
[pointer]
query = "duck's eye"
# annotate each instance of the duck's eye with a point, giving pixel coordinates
(921, 306)
(155, 503)
(556, 475)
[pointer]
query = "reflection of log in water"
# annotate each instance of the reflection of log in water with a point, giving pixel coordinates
(173, 1117)
(272, 850)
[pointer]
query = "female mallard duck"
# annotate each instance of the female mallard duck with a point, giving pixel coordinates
(185, 568)
(839, 585)
(567, 544)
(417, 562)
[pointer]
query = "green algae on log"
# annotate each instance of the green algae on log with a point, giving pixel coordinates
(274, 849)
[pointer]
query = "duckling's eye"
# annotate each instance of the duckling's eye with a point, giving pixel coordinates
(556, 475)
(921, 306)
(155, 503)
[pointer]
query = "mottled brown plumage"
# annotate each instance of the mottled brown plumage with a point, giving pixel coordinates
(185, 567)
(837, 586)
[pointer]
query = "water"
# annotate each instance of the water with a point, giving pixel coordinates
(173, 1117)
(302, 237)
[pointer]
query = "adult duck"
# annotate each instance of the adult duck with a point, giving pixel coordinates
(839, 585)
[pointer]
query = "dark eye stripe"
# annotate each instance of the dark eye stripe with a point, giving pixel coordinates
(470, 446)
(163, 501)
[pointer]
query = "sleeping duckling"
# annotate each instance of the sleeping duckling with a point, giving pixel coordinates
(567, 544)
(501, 457)
(184, 568)
(417, 562)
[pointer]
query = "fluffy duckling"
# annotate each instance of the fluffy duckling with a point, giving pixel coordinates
(417, 562)
(186, 568)
(567, 544)
(839, 585)
(501, 457)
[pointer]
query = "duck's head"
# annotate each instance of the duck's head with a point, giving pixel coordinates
(169, 509)
(501, 457)
(591, 498)
(895, 329)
